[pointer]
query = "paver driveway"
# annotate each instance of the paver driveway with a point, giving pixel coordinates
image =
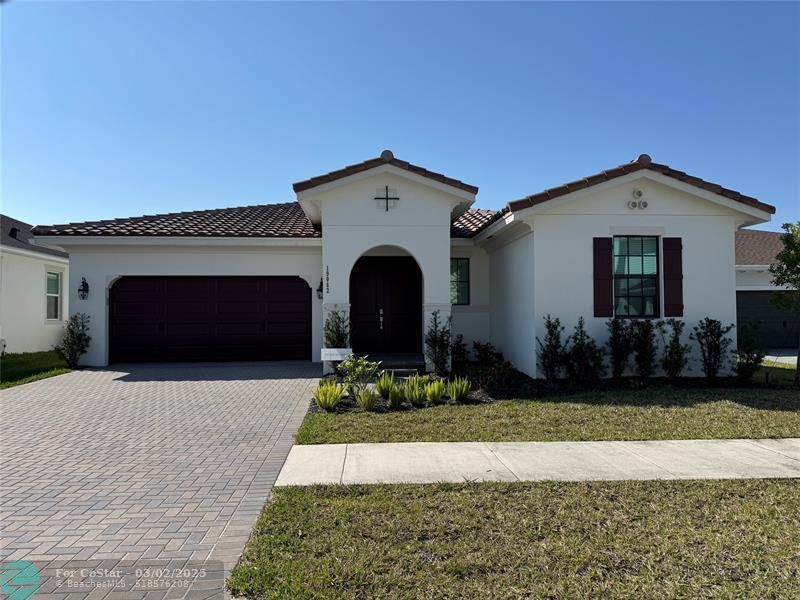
(144, 464)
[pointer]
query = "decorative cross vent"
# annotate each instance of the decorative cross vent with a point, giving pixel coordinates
(388, 199)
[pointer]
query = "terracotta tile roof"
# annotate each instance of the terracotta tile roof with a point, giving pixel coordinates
(755, 247)
(264, 220)
(386, 157)
(474, 221)
(267, 220)
(642, 162)
(21, 238)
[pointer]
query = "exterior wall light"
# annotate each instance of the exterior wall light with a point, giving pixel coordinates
(319, 289)
(83, 289)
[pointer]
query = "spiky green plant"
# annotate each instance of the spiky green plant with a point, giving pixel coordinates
(458, 389)
(328, 394)
(414, 391)
(384, 384)
(434, 391)
(366, 399)
(396, 397)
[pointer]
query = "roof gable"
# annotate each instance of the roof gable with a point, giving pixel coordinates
(22, 237)
(386, 158)
(642, 163)
(754, 247)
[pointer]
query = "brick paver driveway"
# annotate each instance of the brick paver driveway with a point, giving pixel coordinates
(143, 465)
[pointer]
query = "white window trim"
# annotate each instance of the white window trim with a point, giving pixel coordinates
(60, 295)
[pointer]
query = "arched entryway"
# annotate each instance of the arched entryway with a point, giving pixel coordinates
(386, 305)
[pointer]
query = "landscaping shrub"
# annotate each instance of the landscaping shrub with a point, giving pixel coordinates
(459, 355)
(485, 353)
(75, 340)
(366, 399)
(551, 351)
(337, 330)
(620, 345)
(328, 394)
(434, 390)
(750, 353)
(396, 398)
(712, 338)
(644, 347)
(583, 358)
(414, 391)
(384, 384)
(676, 354)
(356, 372)
(458, 389)
(437, 343)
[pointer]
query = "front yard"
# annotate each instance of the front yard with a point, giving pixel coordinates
(532, 540)
(647, 414)
(16, 369)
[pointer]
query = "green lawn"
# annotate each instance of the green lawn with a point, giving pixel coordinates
(688, 539)
(16, 369)
(648, 414)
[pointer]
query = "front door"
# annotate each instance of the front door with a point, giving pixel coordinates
(386, 305)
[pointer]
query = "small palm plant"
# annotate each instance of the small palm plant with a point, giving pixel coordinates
(434, 391)
(384, 384)
(328, 394)
(458, 389)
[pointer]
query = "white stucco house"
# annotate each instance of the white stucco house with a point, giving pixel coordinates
(390, 243)
(33, 299)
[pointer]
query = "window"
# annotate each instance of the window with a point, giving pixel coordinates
(635, 276)
(53, 293)
(459, 281)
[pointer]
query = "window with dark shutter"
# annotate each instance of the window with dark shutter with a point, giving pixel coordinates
(603, 253)
(673, 277)
(635, 276)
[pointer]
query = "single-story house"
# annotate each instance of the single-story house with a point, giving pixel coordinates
(755, 252)
(389, 243)
(33, 299)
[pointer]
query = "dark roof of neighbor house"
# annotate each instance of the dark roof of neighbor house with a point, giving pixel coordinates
(266, 220)
(386, 157)
(643, 161)
(755, 247)
(17, 234)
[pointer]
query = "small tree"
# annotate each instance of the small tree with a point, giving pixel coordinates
(620, 345)
(676, 353)
(714, 343)
(584, 358)
(644, 346)
(75, 341)
(786, 273)
(336, 330)
(437, 343)
(551, 350)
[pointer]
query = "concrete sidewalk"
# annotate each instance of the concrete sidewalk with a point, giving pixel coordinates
(426, 462)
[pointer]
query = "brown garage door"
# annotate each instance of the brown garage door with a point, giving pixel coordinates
(209, 318)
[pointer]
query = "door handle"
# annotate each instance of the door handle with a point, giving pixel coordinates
(380, 317)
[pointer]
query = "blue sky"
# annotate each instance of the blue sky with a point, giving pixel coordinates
(119, 109)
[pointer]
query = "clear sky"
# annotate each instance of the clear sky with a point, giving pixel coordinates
(119, 109)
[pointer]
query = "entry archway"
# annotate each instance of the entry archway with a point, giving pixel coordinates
(386, 303)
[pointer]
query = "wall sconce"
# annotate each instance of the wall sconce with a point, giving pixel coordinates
(319, 289)
(83, 289)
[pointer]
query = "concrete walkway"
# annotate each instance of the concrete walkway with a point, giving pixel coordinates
(533, 461)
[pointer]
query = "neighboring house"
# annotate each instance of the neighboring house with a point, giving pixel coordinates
(755, 252)
(33, 298)
(391, 243)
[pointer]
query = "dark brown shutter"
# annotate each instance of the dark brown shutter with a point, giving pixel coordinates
(603, 252)
(673, 277)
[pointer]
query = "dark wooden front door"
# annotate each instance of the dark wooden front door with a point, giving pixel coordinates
(155, 319)
(386, 305)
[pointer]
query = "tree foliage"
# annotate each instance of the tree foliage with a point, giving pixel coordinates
(786, 273)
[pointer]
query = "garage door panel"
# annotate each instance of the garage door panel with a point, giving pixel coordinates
(776, 328)
(209, 318)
